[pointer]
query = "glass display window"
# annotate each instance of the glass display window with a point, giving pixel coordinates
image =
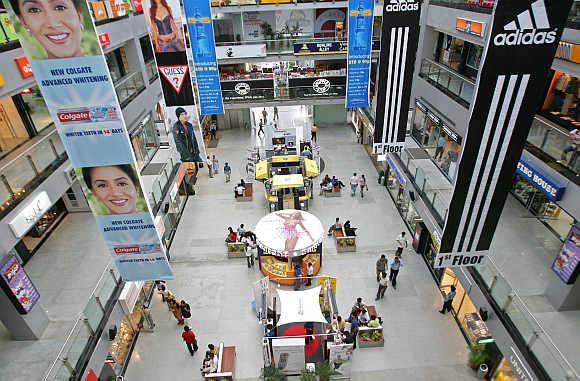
(13, 131)
(37, 109)
(124, 339)
(460, 56)
(561, 102)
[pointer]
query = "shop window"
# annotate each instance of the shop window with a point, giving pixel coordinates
(461, 56)
(13, 131)
(146, 48)
(8, 35)
(145, 142)
(561, 103)
(37, 109)
(116, 62)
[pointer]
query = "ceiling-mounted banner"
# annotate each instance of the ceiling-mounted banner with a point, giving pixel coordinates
(74, 80)
(400, 38)
(519, 53)
(360, 33)
(201, 39)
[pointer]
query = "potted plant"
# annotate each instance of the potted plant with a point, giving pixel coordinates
(305, 375)
(323, 371)
(478, 354)
(271, 373)
(268, 34)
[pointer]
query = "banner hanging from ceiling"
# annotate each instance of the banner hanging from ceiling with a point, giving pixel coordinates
(360, 33)
(74, 80)
(201, 39)
(524, 38)
(399, 41)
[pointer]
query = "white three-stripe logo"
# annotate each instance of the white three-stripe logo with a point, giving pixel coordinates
(536, 19)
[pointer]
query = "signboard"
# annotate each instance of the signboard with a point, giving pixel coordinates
(360, 33)
(75, 83)
(474, 28)
(314, 87)
(340, 360)
(335, 47)
(240, 51)
(400, 37)
(516, 65)
(18, 286)
(30, 214)
(544, 183)
(201, 39)
(23, 66)
(247, 90)
(566, 264)
(289, 354)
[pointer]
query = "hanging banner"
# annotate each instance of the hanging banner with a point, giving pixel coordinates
(74, 80)
(400, 38)
(201, 39)
(524, 38)
(360, 33)
(165, 28)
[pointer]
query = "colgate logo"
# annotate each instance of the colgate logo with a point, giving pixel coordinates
(127, 250)
(401, 6)
(76, 116)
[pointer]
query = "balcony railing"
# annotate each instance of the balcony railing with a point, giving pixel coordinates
(30, 166)
(129, 87)
(159, 188)
(152, 72)
(285, 44)
(531, 332)
(85, 331)
(459, 88)
(481, 6)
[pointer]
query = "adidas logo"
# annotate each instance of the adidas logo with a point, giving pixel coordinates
(401, 6)
(531, 27)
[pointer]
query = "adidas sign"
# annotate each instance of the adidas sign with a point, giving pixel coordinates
(401, 6)
(527, 31)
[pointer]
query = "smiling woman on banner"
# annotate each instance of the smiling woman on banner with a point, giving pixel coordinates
(166, 35)
(57, 25)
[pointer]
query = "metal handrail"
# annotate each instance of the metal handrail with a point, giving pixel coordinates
(450, 71)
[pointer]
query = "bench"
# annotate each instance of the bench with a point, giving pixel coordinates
(227, 364)
(335, 192)
(248, 192)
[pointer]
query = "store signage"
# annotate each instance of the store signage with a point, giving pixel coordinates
(30, 214)
(396, 171)
(567, 263)
(360, 18)
(251, 89)
(472, 27)
(400, 38)
(451, 134)
(550, 187)
(493, 144)
(138, 5)
(18, 286)
(518, 367)
(240, 51)
(76, 86)
(201, 39)
(312, 87)
(335, 47)
(23, 66)
(175, 75)
(104, 40)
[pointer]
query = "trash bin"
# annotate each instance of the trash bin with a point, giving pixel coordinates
(482, 371)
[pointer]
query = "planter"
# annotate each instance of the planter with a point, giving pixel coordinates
(345, 244)
(236, 250)
(370, 337)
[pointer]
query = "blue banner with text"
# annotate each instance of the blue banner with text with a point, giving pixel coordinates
(360, 31)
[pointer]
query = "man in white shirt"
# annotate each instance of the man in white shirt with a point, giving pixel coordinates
(383, 285)
(309, 273)
(395, 267)
(241, 231)
(240, 190)
(249, 251)
(209, 164)
(401, 244)
(353, 184)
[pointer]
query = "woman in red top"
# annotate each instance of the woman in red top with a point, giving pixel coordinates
(232, 236)
(190, 340)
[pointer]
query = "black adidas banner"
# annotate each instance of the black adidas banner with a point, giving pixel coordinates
(514, 72)
(399, 40)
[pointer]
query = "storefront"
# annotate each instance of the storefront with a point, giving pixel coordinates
(561, 104)
(460, 56)
(145, 141)
(437, 137)
(174, 205)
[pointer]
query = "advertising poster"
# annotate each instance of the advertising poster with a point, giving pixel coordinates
(335, 47)
(340, 360)
(399, 41)
(360, 33)
(517, 59)
(186, 129)
(201, 39)
(314, 87)
(566, 264)
(289, 355)
(326, 20)
(18, 286)
(75, 83)
(253, 22)
(245, 90)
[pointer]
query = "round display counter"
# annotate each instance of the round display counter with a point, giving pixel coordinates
(286, 239)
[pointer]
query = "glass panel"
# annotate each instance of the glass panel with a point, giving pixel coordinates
(128, 86)
(549, 360)
(93, 313)
(79, 341)
(5, 196)
(467, 90)
(486, 272)
(440, 205)
(62, 374)
(57, 144)
(420, 179)
(37, 109)
(500, 291)
(42, 156)
(19, 173)
(556, 143)
(518, 316)
(455, 85)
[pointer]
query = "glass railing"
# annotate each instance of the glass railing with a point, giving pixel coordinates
(30, 166)
(482, 6)
(536, 339)
(129, 87)
(459, 88)
(151, 69)
(85, 329)
(156, 193)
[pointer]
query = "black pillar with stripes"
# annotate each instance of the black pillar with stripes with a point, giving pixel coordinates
(514, 73)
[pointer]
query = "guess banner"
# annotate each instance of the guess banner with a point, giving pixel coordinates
(524, 38)
(360, 33)
(399, 37)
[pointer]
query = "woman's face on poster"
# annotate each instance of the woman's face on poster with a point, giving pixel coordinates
(115, 189)
(56, 25)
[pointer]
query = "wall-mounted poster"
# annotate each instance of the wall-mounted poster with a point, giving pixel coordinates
(18, 286)
(566, 264)
(325, 22)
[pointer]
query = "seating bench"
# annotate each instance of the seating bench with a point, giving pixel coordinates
(336, 192)
(343, 242)
(248, 192)
(227, 364)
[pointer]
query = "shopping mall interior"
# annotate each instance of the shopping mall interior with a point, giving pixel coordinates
(274, 153)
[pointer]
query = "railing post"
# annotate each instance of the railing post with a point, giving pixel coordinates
(98, 300)
(112, 272)
(86, 323)
(31, 162)
(509, 300)
(533, 339)
(493, 282)
(68, 366)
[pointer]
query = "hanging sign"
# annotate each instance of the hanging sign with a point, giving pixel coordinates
(360, 33)
(400, 38)
(520, 51)
(74, 80)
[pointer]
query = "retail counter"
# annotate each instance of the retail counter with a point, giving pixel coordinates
(278, 271)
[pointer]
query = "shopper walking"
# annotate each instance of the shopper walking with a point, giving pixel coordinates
(362, 183)
(185, 312)
(249, 253)
(313, 131)
(265, 115)
(227, 172)
(190, 341)
(381, 267)
(396, 265)
(213, 131)
(276, 116)
(353, 184)
(261, 127)
(216, 165)
(309, 273)
(440, 146)
(447, 302)
(401, 244)
(209, 166)
(298, 276)
(383, 285)
(241, 231)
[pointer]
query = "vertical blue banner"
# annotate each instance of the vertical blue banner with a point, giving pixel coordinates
(199, 25)
(360, 32)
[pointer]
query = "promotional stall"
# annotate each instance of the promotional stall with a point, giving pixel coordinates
(287, 239)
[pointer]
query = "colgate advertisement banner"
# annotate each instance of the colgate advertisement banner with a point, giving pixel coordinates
(513, 76)
(399, 41)
(73, 77)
